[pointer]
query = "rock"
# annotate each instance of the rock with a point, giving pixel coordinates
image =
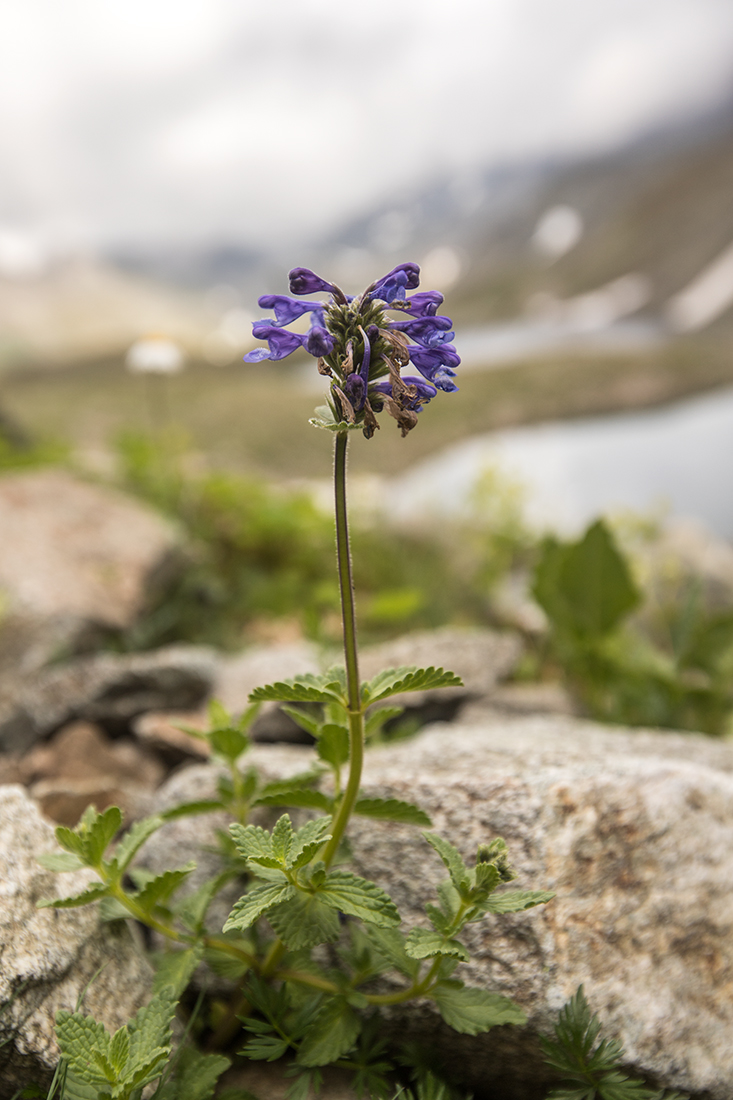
(482, 658)
(48, 956)
(72, 549)
(105, 688)
(160, 731)
(634, 832)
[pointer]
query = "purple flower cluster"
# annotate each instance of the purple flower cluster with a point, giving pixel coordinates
(361, 349)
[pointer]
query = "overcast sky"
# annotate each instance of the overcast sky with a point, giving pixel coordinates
(134, 120)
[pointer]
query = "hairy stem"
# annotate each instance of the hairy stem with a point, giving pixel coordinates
(348, 615)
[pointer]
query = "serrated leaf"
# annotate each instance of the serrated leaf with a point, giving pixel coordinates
(453, 861)
(119, 1048)
(298, 797)
(390, 944)
(438, 918)
(265, 1048)
(60, 861)
(304, 920)
(76, 1089)
(175, 968)
(392, 809)
(359, 898)
(94, 893)
(252, 841)
(515, 901)
(393, 681)
(159, 889)
(331, 1035)
(282, 836)
(487, 877)
(100, 833)
(151, 1036)
(228, 742)
(473, 1011)
(134, 839)
(80, 1038)
(301, 689)
(71, 841)
(111, 909)
(423, 943)
(197, 1074)
(379, 717)
(302, 718)
(333, 745)
(190, 809)
(307, 841)
(255, 903)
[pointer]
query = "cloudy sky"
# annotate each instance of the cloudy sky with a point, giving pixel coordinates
(162, 120)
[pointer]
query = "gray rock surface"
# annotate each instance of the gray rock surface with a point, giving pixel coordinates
(632, 829)
(105, 688)
(48, 956)
(74, 549)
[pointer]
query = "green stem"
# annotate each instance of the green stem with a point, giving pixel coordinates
(353, 692)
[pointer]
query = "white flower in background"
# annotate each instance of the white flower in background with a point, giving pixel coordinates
(154, 355)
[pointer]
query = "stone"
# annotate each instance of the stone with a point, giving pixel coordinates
(632, 829)
(48, 956)
(107, 688)
(73, 549)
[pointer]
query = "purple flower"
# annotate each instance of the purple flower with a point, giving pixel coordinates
(304, 281)
(319, 341)
(418, 393)
(428, 331)
(280, 343)
(393, 285)
(423, 304)
(288, 309)
(430, 360)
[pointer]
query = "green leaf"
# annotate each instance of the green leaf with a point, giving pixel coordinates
(190, 809)
(229, 966)
(585, 587)
(282, 836)
(302, 718)
(255, 903)
(192, 909)
(265, 1048)
(394, 681)
(422, 943)
(296, 797)
(81, 1041)
(333, 745)
(100, 833)
(379, 717)
(151, 1037)
(473, 1011)
(60, 861)
(307, 688)
(252, 841)
(119, 1048)
(514, 901)
(111, 909)
(325, 420)
(390, 944)
(94, 893)
(175, 969)
(134, 839)
(358, 898)
(197, 1074)
(331, 1035)
(304, 920)
(392, 809)
(159, 889)
(228, 742)
(307, 841)
(451, 857)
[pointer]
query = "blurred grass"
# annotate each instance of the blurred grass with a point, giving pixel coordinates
(253, 419)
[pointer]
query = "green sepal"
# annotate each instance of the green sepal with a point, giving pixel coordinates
(307, 688)
(331, 1035)
(394, 681)
(459, 873)
(392, 809)
(359, 898)
(93, 893)
(255, 903)
(423, 943)
(515, 901)
(472, 1011)
(304, 920)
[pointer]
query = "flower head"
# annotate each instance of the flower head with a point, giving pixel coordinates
(361, 350)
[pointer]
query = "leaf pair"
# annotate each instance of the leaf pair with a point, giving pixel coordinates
(331, 686)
